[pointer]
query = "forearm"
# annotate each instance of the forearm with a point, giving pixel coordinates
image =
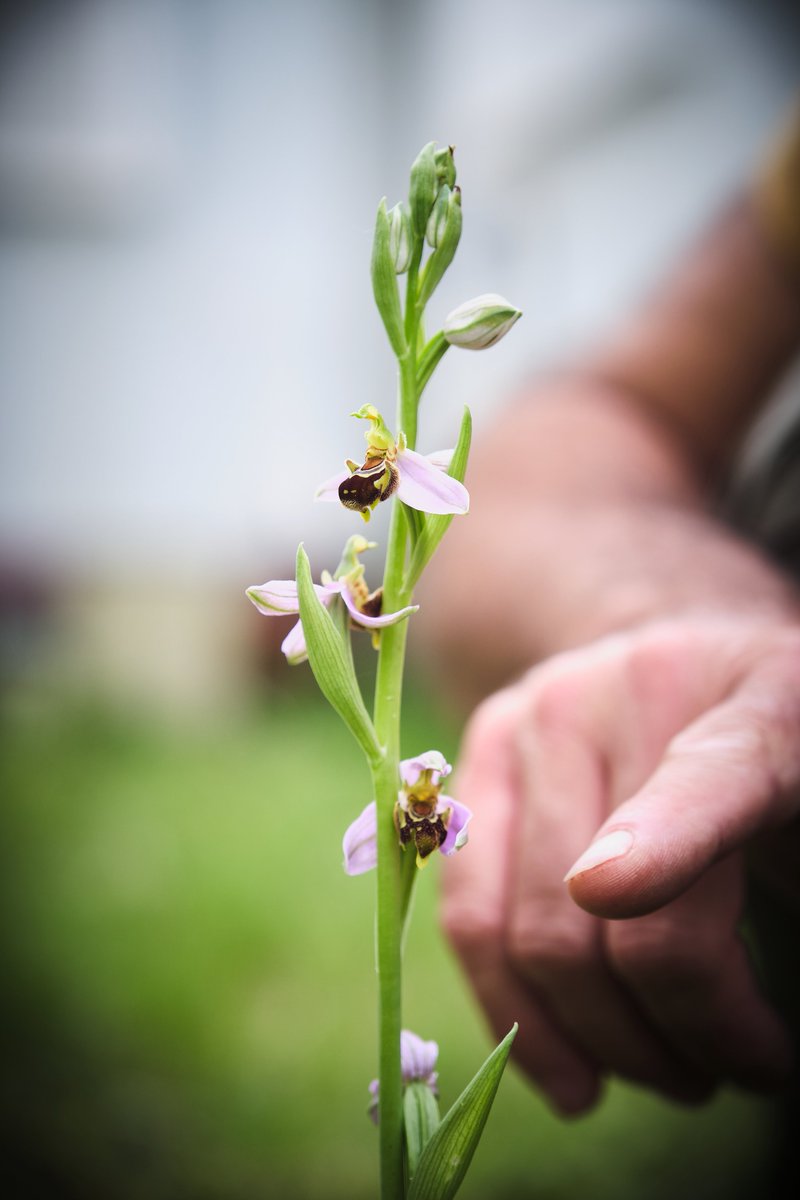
(707, 350)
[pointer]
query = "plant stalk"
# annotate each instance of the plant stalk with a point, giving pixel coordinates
(393, 888)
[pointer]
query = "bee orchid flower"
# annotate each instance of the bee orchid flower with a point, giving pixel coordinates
(278, 598)
(423, 817)
(417, 1062)
(392, 469)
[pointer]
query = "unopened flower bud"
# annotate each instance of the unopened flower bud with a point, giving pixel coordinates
(445, 165)
(438, 217)
(384, 283)
(422, 188)
(400, 237)
(447, 233)
(479, 323)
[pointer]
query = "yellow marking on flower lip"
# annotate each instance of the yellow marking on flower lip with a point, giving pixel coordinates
(422, 804)
(354, 582)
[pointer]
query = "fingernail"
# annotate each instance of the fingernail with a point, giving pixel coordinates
(607, 848)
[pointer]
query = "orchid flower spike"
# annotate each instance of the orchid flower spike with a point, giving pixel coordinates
(417, 1062)
(391, 468)
(422, 815)
(278, 598)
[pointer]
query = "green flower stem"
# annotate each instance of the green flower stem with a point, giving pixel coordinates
(386, 779)
(394, 886)
(409, 396)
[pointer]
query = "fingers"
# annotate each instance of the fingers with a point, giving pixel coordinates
(530, 953)
(729, 774)
(475, 905)
(568, 1079)
(666, 997)
(554, 945)
(688, 970)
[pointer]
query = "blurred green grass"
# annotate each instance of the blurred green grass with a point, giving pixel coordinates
(189, 1001)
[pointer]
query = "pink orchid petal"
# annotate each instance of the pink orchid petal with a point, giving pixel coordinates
(417, 1060)
(441, 459)
(375, 622)
(425, 487)
(278, 597)
(431, 760)
(417, 1057)
(294, 645)
(372, 1110)
(460, 817)
(274, 597)
(360, 843)
(329, 490)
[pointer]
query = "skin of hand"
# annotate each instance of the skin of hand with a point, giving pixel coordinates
(657, 743)
(666, 750)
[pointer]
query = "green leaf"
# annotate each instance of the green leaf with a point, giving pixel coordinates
(421, 1117)
(436, 526)
(446, 1157)
(331, 663)
(384, 282)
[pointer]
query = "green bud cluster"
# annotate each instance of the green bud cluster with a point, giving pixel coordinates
(430, 218)
(432, 214)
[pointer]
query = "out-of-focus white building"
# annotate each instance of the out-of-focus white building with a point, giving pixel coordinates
(187, 194)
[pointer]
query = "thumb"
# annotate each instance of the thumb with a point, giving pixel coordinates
(727, 776)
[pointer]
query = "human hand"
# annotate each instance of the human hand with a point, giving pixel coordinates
(667, 750)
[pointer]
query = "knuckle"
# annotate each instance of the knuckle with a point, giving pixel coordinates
(652, 661)
(490, 724)
(553, 701)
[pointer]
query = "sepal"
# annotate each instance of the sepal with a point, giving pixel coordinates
(384, 282)
(438, 218)
(446, 1157)
(400, 237)
(423, 188)
(445, 165)
(449, 224)
(332, 664)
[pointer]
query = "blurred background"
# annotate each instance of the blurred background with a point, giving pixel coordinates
(187, 197)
